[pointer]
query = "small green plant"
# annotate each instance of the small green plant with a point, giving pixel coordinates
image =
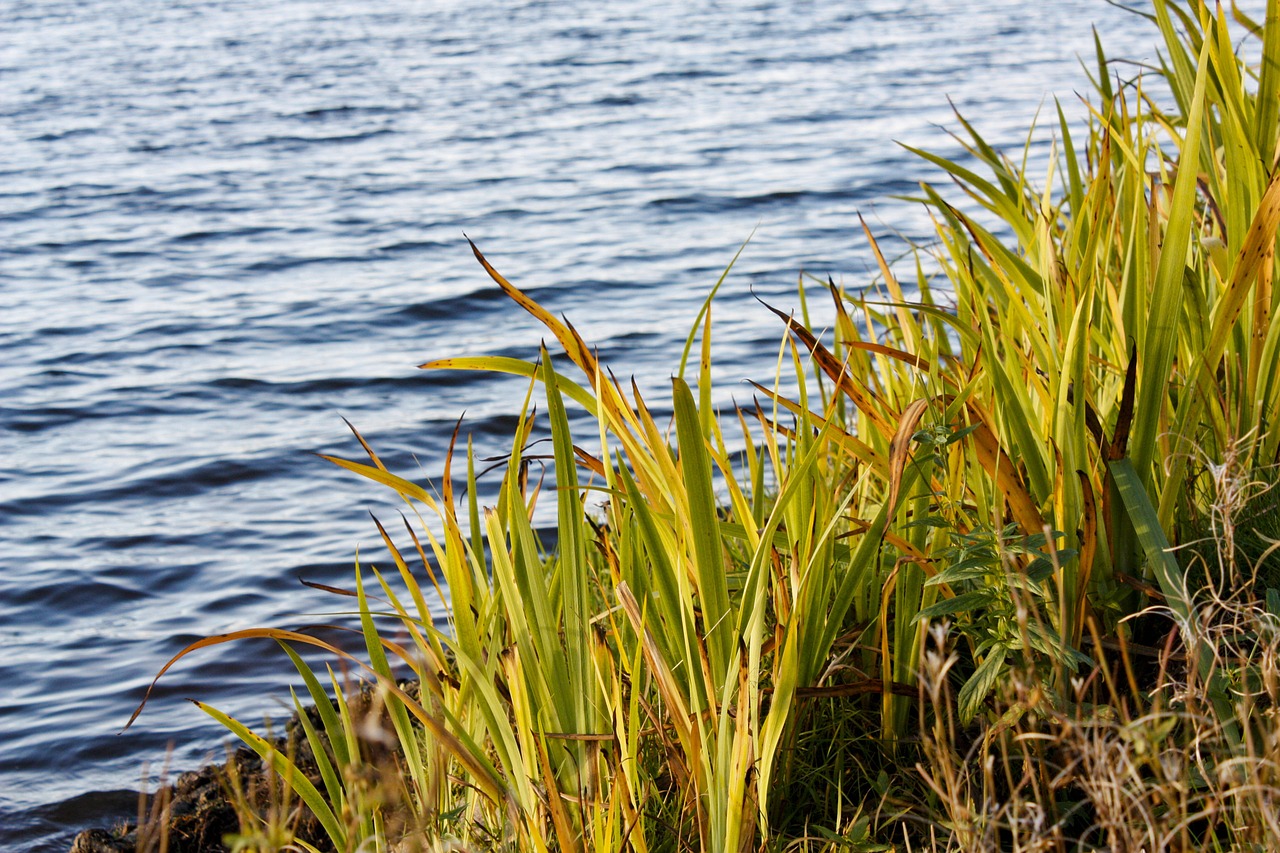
(999, 583)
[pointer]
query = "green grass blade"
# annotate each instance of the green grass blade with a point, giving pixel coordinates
(287, 771)
(706, 307)
(573, 535)
(332, 783)
(395, 705)
(328, 716)
(1169, 576)
(704, 530)
(514, 367)
(1159, 345)
(1267, 115)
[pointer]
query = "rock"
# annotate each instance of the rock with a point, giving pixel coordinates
(195, 813)
(101, 841)
(198, 813)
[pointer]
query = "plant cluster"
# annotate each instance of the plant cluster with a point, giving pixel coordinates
(939, 600)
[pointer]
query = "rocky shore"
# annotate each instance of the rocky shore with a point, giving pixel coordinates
(199, 810)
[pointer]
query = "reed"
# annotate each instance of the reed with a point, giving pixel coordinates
(909, 608)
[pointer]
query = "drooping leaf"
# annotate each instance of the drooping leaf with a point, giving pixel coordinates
(979, 685)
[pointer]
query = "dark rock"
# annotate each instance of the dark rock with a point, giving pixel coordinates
(197, 811)
(101, 841)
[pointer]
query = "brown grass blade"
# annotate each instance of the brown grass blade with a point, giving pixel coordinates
(1088, 550)
(1001, 468)
(573, 345)
(900, 447)
(1119, 445)
(218, 639)
(367, 449)
(866, 400)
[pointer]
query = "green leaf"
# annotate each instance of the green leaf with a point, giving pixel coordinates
(515, 367)
(963, 603)
(332, 725)
(1146, 524)
(1267, 117)
(979, 685)
(1159, 344)
(332, 782)
(704, 529)
(975, 570)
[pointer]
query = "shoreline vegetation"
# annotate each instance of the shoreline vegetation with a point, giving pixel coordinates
(997, 568)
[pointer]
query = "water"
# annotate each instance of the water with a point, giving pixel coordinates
(226, 225)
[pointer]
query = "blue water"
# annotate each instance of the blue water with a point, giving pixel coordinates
(226, 225)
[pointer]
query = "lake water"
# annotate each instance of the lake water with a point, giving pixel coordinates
(226, 225)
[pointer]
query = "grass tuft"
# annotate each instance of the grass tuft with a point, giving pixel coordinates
(1001, 574)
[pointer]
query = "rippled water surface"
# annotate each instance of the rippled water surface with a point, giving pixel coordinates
(225, 226)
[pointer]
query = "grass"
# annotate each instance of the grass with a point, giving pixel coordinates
(994, 577)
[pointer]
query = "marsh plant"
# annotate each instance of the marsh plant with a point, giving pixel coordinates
(929, 597)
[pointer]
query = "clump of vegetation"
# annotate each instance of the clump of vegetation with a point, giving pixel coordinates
(936, 601)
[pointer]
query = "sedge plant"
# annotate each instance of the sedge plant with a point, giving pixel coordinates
(1005, 441)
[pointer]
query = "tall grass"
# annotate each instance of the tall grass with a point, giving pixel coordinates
(1012, 444)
